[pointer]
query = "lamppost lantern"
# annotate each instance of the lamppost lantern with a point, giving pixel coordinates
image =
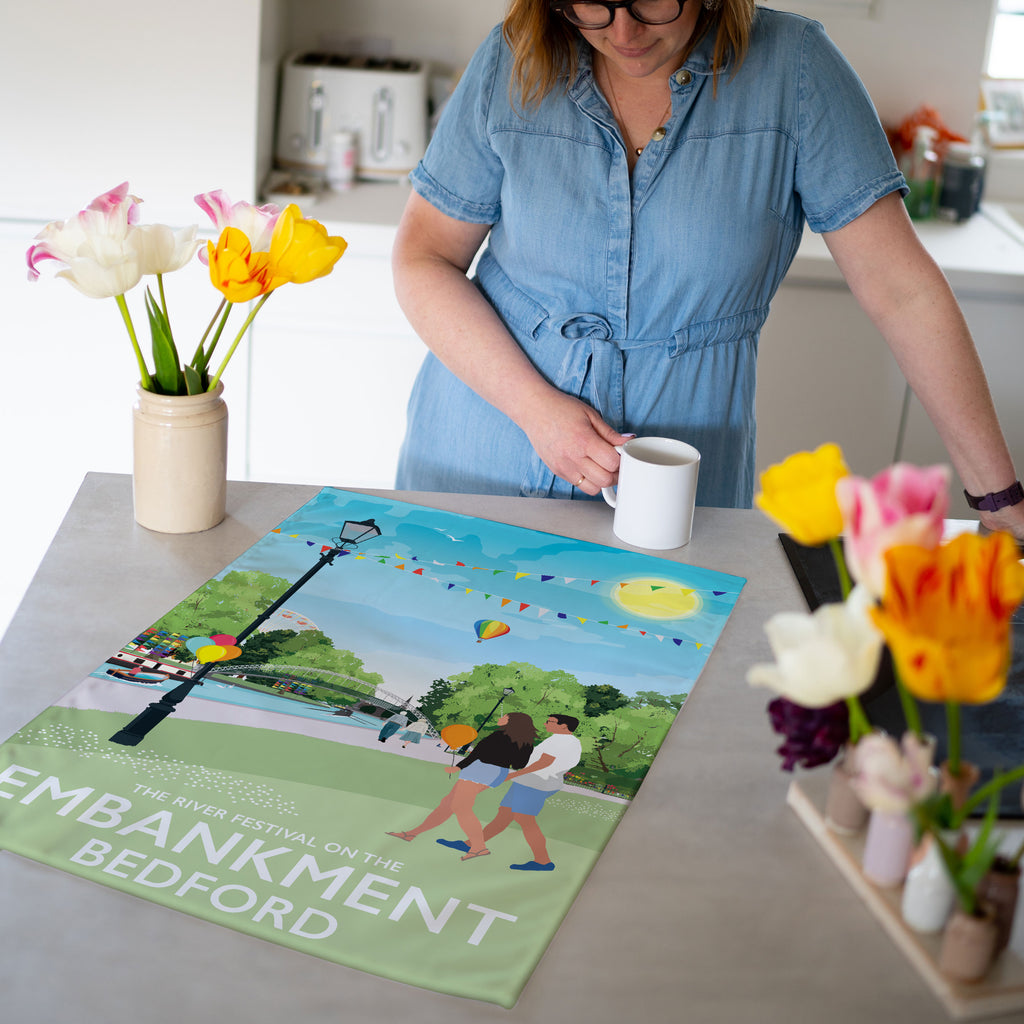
(353, 533)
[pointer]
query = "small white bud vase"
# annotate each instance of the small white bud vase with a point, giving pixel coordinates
(928, 893)
(180, 442)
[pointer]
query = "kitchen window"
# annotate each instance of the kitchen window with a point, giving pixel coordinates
(1006, 53)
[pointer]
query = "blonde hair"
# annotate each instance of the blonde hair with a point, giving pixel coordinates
(543, 43)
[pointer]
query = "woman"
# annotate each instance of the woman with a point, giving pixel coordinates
(642, 172)
(486, 766)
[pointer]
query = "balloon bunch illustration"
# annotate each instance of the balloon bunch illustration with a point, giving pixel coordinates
(219, 647)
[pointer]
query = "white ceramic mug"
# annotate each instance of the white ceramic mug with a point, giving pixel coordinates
(655, 495)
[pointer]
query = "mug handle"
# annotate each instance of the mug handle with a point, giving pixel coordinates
(608, 493)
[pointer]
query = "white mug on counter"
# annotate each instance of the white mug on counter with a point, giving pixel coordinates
(656, 491)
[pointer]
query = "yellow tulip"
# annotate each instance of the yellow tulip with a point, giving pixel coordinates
(946, 616)
(235, 270)
(301, 250)
(800, 494)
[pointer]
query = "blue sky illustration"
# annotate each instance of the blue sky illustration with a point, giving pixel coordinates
(414, 627)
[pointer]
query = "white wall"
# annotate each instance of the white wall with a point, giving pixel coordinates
(445, 31)
(910, 52)
(918, 51)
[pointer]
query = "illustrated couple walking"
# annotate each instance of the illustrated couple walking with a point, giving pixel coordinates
(507, 755)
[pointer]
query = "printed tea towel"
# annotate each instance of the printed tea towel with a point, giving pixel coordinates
(392, 737)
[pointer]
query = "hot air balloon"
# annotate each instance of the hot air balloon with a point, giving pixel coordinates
(457, 735)
(488, 629)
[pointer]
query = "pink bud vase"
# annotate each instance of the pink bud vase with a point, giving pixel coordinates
(968, 945)
(887, 848)
(845, 812)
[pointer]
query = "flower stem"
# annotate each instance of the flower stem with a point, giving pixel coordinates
(227, 306)
(144, 377)
(910, 712)
(201, 359)
(953, 736)
(238, 337)
(845, 586)
(859, 724)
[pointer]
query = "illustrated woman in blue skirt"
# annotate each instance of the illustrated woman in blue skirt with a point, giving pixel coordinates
(508, 747)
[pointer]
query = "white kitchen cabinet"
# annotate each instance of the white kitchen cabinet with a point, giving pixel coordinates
(163, 95)
(332, 365)
(825, 374)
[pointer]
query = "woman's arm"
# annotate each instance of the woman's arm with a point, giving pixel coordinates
(431, 256)
(909, 300)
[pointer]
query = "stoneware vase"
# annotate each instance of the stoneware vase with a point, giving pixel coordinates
(928, 893)
(968, 945)
(959, 786)
(845, 813)
(179, 482)
(999, 889)
(887, 848)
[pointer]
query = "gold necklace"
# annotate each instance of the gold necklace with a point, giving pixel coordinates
(656, 136)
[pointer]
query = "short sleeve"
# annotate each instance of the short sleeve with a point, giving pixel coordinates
(460, 174)
(844, 161)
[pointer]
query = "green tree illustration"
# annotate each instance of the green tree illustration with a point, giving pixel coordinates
(226, 605)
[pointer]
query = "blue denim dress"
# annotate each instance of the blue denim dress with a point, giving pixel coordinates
(645, 295)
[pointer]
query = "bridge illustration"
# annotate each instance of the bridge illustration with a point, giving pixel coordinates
(349, 686)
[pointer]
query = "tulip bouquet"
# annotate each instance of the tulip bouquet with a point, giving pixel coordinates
(943, 608)
(105, 253)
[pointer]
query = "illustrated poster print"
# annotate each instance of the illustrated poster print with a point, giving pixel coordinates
(308, 789)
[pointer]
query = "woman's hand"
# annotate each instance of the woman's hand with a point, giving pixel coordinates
(573, 441)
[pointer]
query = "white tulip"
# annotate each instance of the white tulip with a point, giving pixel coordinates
(824, 657)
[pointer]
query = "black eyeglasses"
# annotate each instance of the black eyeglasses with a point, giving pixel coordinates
(593, 14)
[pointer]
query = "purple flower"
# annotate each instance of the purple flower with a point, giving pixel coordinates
(813, 735)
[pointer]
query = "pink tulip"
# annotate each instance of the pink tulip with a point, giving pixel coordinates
(903, 504)
(255, 222)
(891, 777)
(94, 246)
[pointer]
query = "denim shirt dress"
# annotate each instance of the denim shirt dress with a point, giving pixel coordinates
(645, 295)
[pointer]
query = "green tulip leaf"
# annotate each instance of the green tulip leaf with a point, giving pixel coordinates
(193, 381)
(165, 356)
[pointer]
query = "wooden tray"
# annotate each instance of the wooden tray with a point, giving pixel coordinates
(1002, 991)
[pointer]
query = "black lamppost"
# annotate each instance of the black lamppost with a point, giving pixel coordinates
(507, 692)
(353, 532)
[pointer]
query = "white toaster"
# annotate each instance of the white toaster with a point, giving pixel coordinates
(383, 101)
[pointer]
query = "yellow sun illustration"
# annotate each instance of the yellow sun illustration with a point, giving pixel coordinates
(656, 598)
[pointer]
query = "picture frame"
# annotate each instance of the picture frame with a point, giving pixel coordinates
(1003, 101)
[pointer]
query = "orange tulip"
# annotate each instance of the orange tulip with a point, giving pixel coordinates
(235, 270)
(946, 616)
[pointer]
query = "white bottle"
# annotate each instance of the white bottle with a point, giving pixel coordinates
(341, 160)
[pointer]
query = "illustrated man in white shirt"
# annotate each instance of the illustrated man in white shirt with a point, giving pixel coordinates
(531, 787)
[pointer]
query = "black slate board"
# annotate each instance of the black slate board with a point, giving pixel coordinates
(992, 735)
